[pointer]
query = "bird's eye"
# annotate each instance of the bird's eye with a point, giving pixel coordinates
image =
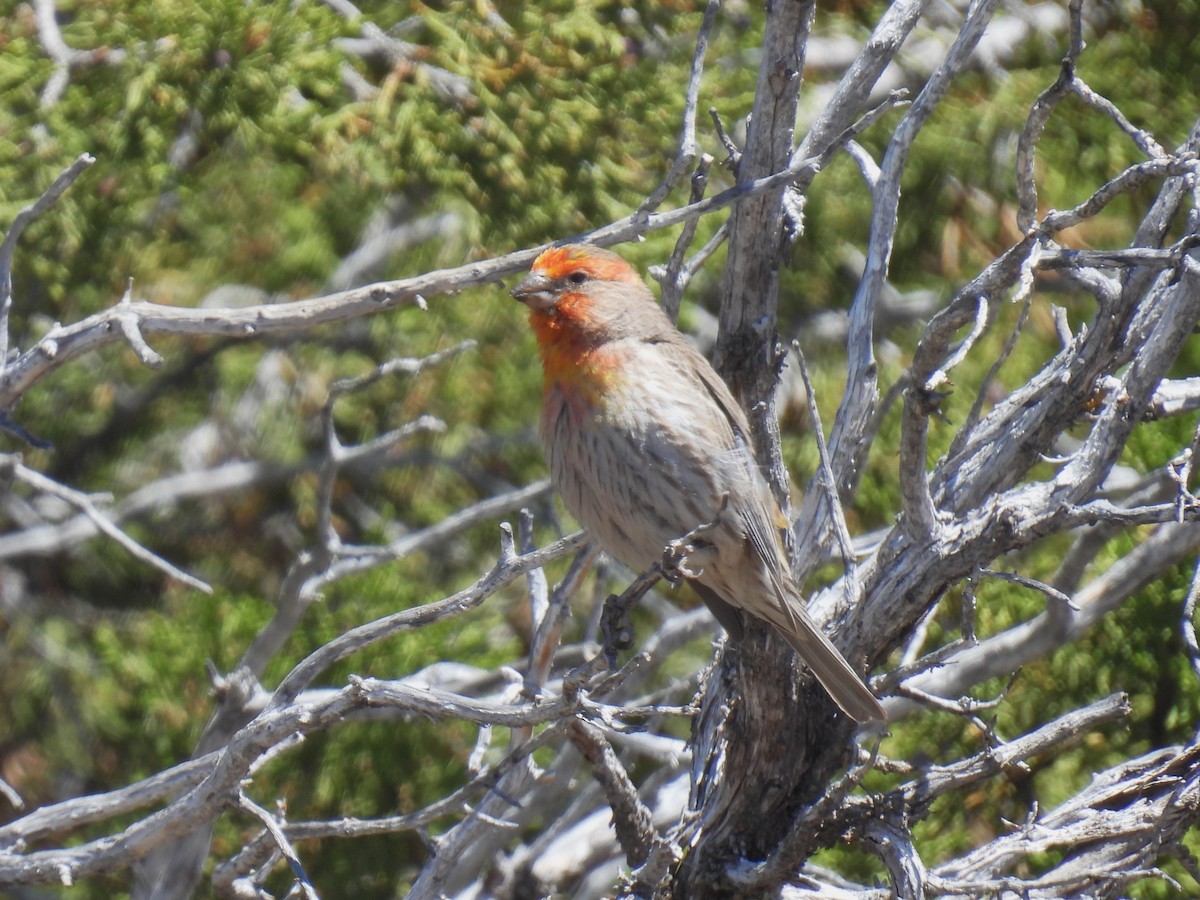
(577, 277)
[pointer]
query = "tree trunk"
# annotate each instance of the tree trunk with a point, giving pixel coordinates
(768, 737)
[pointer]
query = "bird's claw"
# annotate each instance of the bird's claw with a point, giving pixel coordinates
(674, 563)
(616, 624)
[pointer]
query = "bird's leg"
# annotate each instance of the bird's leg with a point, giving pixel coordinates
(682, 550)
(616, 620)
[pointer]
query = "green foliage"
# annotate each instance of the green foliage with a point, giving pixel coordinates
(230, 151)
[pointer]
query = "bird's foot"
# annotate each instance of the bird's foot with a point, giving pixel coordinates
(616, 625)
(616, 618)
(674, 565)
(679, 552)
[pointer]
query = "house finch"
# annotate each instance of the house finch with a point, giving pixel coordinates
(649, 450)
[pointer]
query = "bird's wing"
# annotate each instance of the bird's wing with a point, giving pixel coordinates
(764, 521)
(721, 395)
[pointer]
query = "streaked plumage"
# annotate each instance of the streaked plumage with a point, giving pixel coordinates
(646, 443)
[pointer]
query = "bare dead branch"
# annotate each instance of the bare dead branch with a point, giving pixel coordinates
(1004, 653)
(40, 540)
(1111, 831)
(282, 843)
(63, 344)
(549, 626)
(688, 148)
(632, 820)
(454, 89)
(674, 277)
(221, 778)
(828, 484)
(48, 198)
(1013, 476)
(82, 502)
(65, 57)
(1189, 622)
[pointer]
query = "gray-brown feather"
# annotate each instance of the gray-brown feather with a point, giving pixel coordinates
(667, 450)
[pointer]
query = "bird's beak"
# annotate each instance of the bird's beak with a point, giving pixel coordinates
(536, 291)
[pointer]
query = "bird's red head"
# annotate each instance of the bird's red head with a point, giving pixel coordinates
(584, 295)
(593, 262)
(581, 298)
(565, 272)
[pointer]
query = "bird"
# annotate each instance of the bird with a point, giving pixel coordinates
(652, 454)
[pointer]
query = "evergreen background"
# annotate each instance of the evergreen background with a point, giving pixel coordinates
(238, 160)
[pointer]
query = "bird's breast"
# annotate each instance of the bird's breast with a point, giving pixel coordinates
(630, 469)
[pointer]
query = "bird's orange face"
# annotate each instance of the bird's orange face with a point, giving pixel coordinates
(561, 275)
(565, 291)
(593, 262)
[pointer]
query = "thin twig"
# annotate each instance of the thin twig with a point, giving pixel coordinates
(282, 844)
(829, 485)
(48, 198)
(688, 148)
(85, 505)
(1188, 621)
(675, 275)
(12, 795)
(65, 57)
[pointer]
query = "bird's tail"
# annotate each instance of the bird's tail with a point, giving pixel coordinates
(836, 675)
(791, 619)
